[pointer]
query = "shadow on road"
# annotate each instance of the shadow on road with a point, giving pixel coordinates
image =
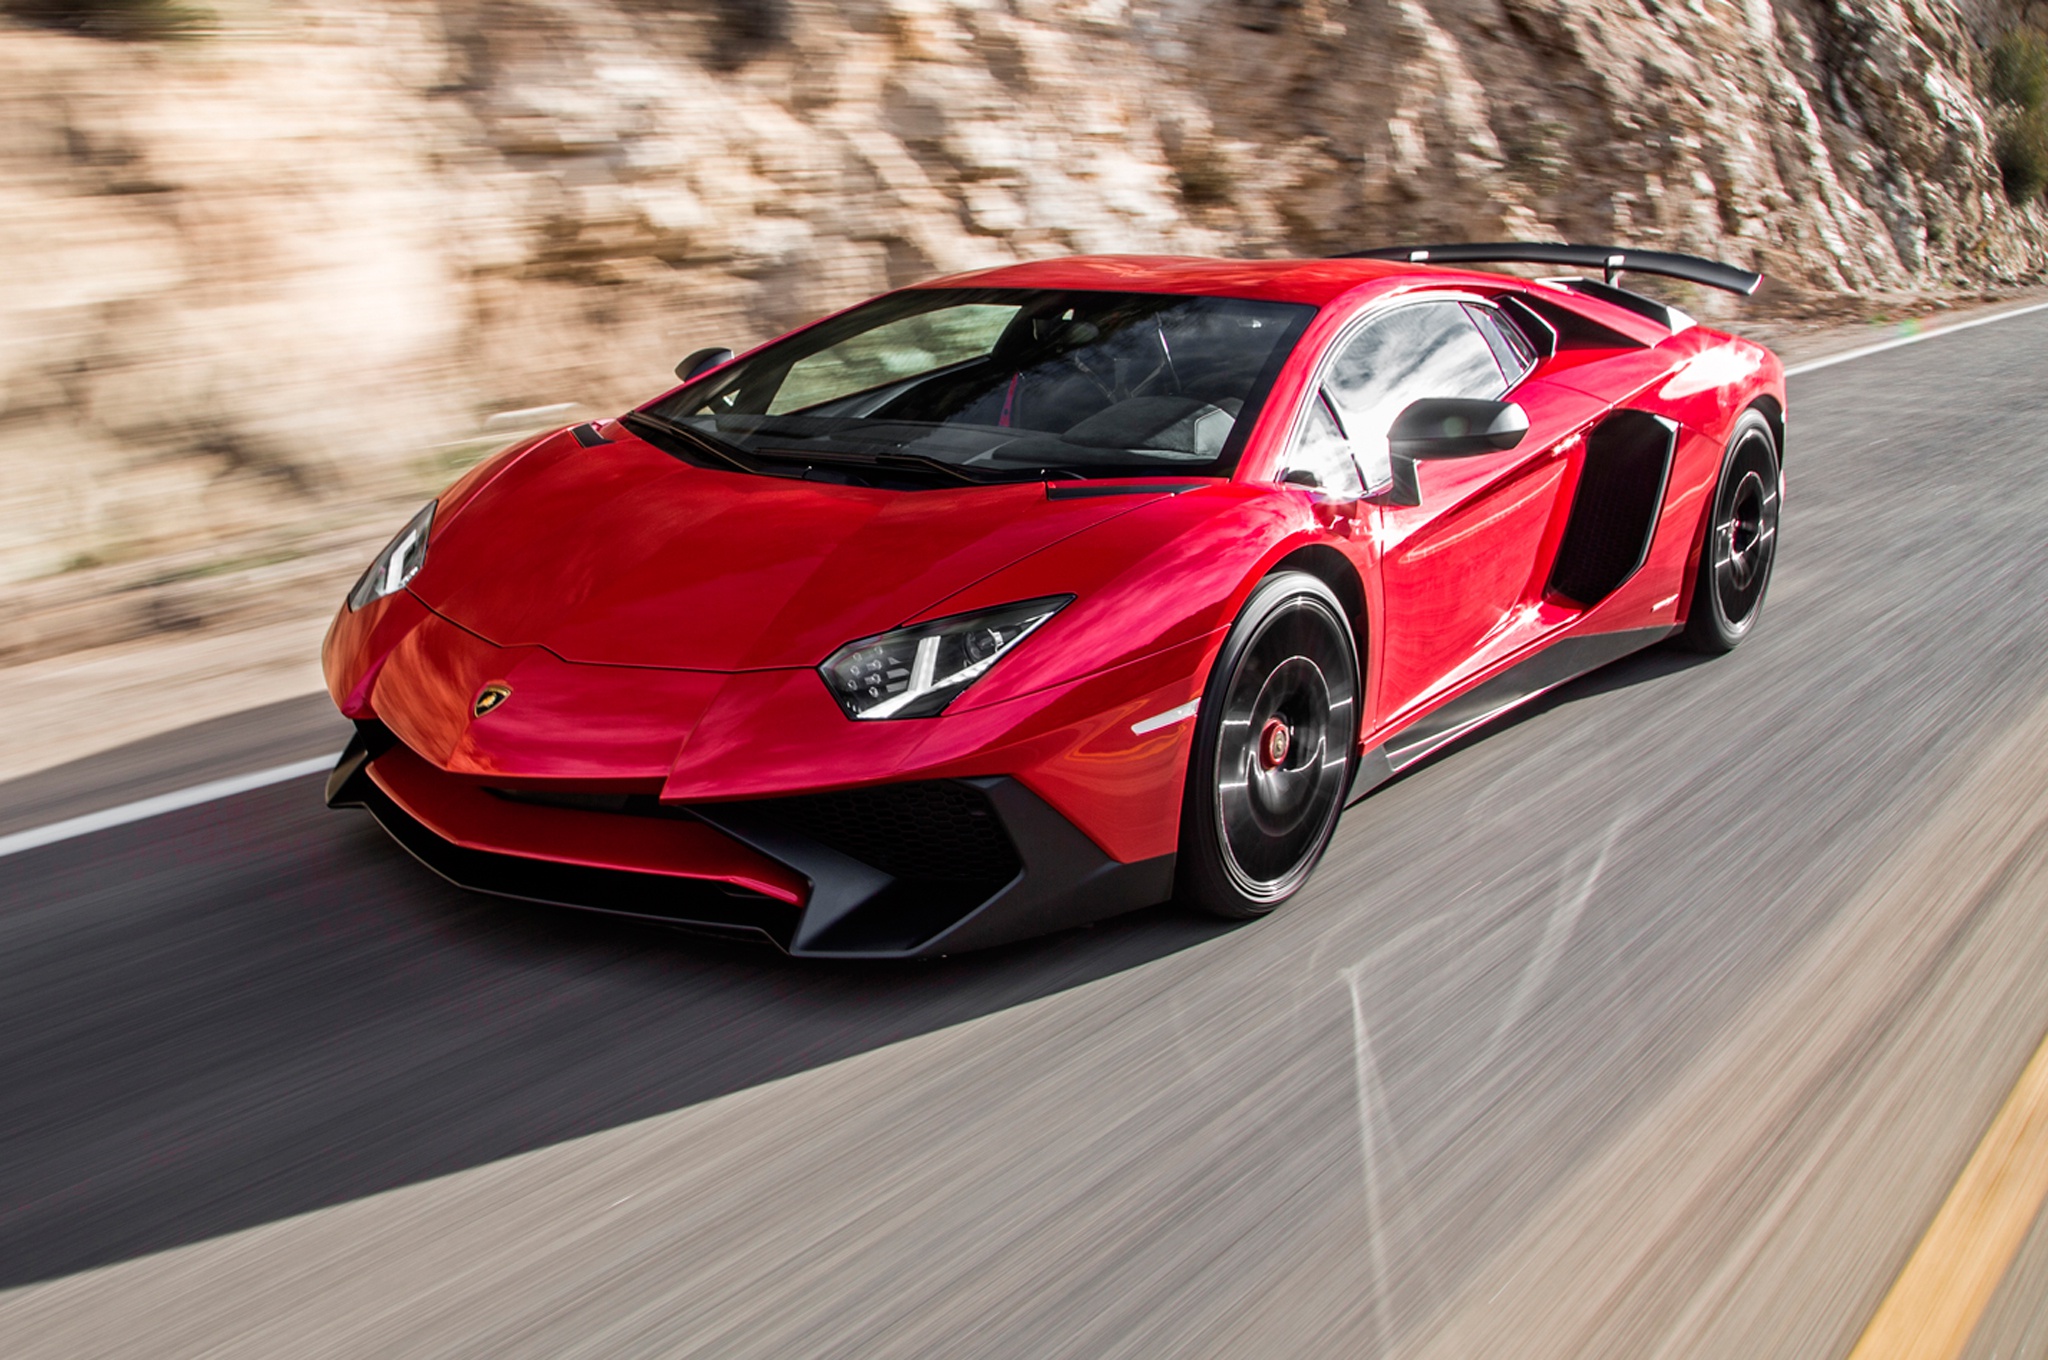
(258, 1008)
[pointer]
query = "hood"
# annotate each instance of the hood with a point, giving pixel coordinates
(620, 554)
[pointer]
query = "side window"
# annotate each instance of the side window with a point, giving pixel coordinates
(1323, 449)
(1423, 349)
(1511, 349)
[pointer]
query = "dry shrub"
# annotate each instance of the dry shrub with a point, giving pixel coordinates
(2023, 155)
(122, 20)
(2019, 69)
(2019, 81)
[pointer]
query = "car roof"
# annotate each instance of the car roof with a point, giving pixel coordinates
(1316, 282)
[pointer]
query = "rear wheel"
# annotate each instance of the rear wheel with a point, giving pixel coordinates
(1742, 541)
(1273, 752)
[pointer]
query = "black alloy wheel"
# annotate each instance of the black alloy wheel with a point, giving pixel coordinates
(1275, 744)
(1742, 541)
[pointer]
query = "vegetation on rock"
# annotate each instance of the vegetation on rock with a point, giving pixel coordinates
(124, 20)
(2019, 79)
(2019, 69)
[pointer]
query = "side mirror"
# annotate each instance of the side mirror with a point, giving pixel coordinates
(702, 361)
(1447, 427)
(1451, 427)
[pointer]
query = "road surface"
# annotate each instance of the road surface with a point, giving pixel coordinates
(1658, 1020)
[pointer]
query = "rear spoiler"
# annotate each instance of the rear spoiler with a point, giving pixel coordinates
(1613, 259)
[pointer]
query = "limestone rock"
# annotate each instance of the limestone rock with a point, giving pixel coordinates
(280, 263)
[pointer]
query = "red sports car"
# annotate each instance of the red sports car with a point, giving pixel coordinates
(1028, 596)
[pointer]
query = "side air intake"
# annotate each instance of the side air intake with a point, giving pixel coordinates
(1614, 509)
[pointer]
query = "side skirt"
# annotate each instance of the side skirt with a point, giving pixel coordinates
(1561, 662)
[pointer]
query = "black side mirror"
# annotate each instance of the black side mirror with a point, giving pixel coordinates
(702, 361)
(1452, 427)
(1447, 427)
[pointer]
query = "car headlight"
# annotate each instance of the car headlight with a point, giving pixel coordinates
(400, 561)
(915, 672)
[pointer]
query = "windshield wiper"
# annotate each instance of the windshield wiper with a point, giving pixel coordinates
(663, 432)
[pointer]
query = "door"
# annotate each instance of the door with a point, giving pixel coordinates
(1459, 571)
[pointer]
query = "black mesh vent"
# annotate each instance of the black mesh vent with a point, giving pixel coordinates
(935, 830)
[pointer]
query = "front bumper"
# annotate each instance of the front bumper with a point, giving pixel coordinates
(895, 870)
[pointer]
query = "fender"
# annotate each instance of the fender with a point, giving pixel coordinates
(1174, 571)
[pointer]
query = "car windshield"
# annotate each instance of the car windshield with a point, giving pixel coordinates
(950, 385)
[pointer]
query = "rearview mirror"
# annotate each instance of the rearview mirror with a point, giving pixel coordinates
(702, 361)
(1447, 427)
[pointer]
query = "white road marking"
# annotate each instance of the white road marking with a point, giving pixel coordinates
(1830, 360)
(161, 804)
(1371, 1098)
(1166, 719)
(1557, 933)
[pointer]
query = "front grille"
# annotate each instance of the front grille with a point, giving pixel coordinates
(941, 843)
(932, 830)
(936, 830)
(697, 904)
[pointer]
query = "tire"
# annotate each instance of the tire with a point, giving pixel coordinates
(1741, 542)
(1275, 743)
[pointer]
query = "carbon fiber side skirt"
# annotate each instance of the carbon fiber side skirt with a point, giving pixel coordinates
(1561, 662)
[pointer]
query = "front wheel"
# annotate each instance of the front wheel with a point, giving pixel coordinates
(1742, 541)
(1273, 753)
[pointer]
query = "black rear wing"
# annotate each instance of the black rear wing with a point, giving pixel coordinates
(1612, 259)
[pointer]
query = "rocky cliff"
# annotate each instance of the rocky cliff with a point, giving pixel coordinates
(269, 259)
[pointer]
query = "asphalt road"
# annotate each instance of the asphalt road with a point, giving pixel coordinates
(1657, 1020)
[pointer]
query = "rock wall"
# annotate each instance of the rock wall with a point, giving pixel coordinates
(304, 255)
